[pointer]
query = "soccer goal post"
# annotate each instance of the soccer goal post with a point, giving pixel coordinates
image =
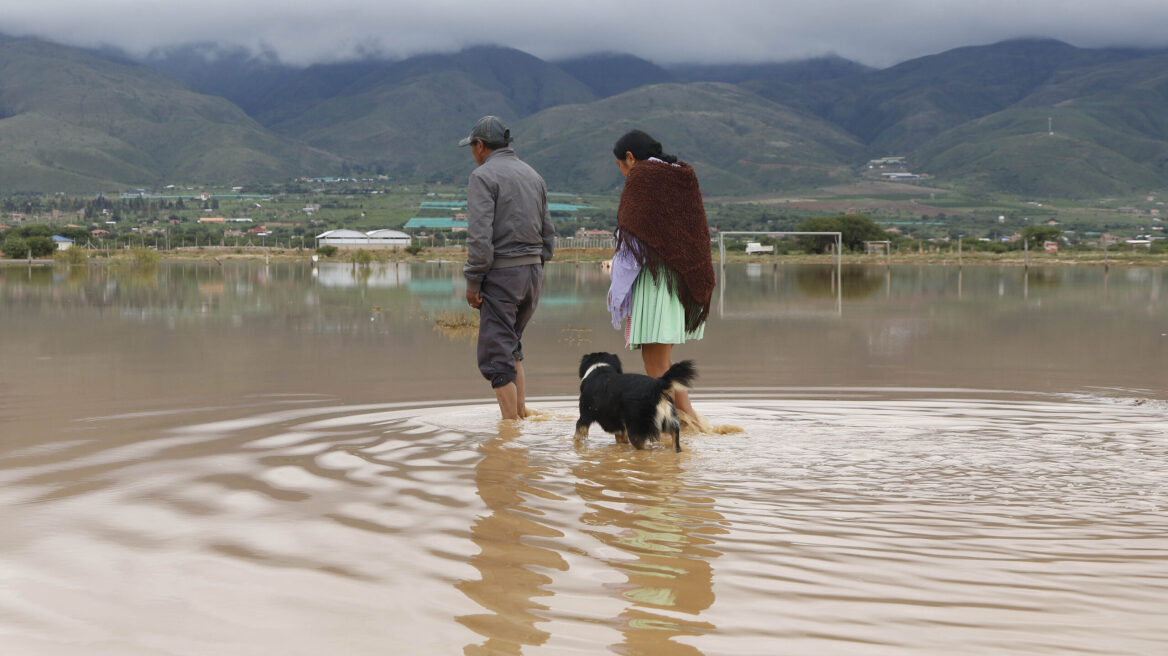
(837, 247)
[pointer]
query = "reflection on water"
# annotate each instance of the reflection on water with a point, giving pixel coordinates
(339, 274)
(657, 530)
(249, 459)
(462, 325)
(859, 282)
(510, 561)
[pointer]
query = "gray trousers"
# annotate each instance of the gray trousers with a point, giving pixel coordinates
(510, 295)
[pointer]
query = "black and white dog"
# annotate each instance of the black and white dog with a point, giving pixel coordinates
(634, 407)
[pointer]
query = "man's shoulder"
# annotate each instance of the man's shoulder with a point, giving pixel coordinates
(526, 168)
(508, 163)
(494, 165)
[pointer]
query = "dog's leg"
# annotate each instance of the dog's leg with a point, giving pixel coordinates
(584, 422)
(676, 439)
(637, 440)
(581, 429)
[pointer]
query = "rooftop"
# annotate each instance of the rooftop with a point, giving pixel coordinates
(432, 222)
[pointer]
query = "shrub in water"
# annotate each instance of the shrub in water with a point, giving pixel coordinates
(15, 247)
(73, 255)
(144, 256)
(41, 246)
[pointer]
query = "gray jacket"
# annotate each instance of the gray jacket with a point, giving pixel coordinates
(508, 223)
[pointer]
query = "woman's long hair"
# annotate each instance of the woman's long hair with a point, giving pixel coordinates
(642, 146)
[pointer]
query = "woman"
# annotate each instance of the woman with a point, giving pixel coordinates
(662, 274)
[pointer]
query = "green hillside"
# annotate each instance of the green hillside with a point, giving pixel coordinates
(409, 129)
(609, 74)
(529, 83)
(1129, 98)
(258, 84)
(974, 117)
(739, 142)
(898, 109)
(71, 121)
(1011, 152)
(1110, 136)
(406, 118)
(794, 72)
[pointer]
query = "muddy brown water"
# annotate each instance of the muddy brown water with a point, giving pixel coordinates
(251, 459)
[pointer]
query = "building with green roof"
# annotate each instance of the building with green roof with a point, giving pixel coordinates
(435, 223)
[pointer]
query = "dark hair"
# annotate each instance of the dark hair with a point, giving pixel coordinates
(493, 146)
(642, 146)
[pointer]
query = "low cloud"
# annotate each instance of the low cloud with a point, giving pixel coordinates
(877, 34)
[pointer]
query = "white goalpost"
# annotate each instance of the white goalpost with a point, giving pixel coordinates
(837, 275)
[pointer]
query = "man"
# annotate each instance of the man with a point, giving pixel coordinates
(509, 237)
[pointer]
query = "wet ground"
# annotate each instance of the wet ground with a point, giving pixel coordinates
(257, 460)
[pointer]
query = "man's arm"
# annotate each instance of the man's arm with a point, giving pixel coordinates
(480, 229)
(548, 231)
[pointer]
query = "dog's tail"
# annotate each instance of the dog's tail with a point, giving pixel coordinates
(679, 376)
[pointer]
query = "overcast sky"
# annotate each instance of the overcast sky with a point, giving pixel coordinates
(877, 33)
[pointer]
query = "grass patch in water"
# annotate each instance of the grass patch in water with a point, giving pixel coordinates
(457, 325)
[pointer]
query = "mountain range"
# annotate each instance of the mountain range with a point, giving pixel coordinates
(1035, 117)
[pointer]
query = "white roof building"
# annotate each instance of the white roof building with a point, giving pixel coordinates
(395, 236)
(374, 239)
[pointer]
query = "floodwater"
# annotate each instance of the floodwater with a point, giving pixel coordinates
(251, 459)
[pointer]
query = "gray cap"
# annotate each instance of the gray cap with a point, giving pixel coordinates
(490, 130)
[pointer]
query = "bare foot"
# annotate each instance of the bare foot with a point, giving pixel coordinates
(695, 422)
(509, 429)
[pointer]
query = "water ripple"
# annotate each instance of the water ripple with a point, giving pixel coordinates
(857, 521)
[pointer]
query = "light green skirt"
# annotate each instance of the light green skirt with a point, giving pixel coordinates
(658, 316)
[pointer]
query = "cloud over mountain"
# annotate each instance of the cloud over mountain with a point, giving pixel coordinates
(879, 34)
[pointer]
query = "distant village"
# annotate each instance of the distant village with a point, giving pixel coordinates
(891, 168)
(97, 222)
(172, 219)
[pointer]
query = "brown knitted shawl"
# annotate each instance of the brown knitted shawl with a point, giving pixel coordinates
(661, 207)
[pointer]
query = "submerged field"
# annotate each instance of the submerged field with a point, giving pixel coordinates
(198, 456)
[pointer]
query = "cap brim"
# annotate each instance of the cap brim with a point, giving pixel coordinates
(465, 142)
